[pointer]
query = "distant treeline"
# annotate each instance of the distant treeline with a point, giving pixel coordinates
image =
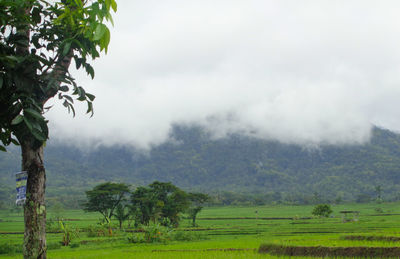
(237, 170)
(225, 199)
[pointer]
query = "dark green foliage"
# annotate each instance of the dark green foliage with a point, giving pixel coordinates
(322, 210)
(121, 214)
(160, 234)
(155, 233)
(160, 202)
(38, 40)
(234, 171)
(197, 200)
(104, 198)
(144, 206)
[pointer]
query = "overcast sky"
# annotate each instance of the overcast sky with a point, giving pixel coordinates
(305, 72)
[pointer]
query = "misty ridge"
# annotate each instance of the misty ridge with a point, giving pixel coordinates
(227, 167)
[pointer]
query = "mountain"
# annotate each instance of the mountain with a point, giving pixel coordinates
(268, 170)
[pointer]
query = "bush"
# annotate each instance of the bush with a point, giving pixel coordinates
(160, 234)
(96, 231)
(151, 234)
(322, 210)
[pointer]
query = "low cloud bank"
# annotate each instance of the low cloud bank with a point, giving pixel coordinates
(312, 73)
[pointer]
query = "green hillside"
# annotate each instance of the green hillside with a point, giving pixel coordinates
(267, 170)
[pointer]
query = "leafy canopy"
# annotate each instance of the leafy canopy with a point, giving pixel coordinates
(159, 201)
(322, 210)
(105, 198)
(38, 41)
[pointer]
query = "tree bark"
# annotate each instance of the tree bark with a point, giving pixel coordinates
(34, 208)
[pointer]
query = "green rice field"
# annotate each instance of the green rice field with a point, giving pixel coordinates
(222, 232)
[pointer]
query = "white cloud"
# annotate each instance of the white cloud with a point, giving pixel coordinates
(305, 72)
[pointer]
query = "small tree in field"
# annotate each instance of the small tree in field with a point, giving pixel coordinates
(322, 210)
(197, 200)
(38, 41)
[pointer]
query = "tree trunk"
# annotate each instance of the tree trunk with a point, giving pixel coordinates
(194, 221)
(34, 208)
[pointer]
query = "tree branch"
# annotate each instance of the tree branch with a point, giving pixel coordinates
(59, 71)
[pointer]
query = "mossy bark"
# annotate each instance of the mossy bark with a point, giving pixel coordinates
(34, 208)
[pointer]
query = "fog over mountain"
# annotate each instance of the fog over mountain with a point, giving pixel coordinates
(304, 72)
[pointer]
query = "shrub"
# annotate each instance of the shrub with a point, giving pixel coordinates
(151, 234)
(68, 233)
(96, 231)
(322, 210)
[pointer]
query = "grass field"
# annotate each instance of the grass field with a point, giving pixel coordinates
(222, 232)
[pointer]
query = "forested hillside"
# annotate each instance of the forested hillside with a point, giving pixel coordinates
(267, 170)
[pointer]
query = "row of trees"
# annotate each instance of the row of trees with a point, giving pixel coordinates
(158, 202)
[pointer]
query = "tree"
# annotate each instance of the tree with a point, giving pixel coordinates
(144, 206)
(378, 191)
(174, 201)
(159, 201)
(322, 210)
(197, 200)
(121, 215)
(105, 198)
(38, 41)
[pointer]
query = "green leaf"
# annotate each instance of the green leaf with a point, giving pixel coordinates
(79, 3)
(15, 142)
(28, 123)
(90, 96)
(90, 70)
(67, 47)
(82, 94)
(114, 5)
(65, 103)
(36, 15)
(90, 108)
(1, 81)
(14, 58)
(33, 113)
(105, 40)
(17, 120)
(69, 98)
(108, 4)
(72, 109)
(64, 88)
(78, 62)
(99, 32)
(38, 135)
(2, 148)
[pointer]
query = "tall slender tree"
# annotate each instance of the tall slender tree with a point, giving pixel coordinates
(38, 41)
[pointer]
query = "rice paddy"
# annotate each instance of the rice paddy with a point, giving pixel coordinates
(225, 232)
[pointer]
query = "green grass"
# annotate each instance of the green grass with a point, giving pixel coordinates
(232, 232)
